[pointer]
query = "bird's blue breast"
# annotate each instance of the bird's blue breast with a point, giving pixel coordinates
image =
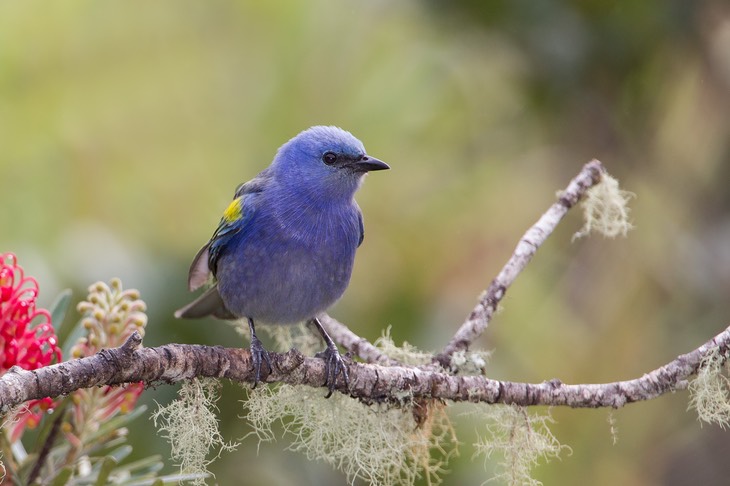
(290, 261)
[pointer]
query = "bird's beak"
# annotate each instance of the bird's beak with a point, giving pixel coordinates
(367, 164)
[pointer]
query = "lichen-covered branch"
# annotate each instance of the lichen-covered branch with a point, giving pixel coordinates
(368, 382)
(380, 378)
(480, 316)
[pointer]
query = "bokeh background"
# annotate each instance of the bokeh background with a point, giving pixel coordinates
(125, 127)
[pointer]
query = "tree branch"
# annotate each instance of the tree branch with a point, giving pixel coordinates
(380, 378)
(368, 382)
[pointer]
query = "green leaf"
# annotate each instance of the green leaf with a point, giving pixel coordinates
(117, 423)
(63, 476)
(59, 308)
(121, 453)
(105, 447)
(24, 466)
(148, 482)
(169, 479)
(107, 466)
(146, 465)
(48, 421)
(76, 333)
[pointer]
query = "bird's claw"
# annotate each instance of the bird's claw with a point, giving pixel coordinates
(258, 356)
(334, 365)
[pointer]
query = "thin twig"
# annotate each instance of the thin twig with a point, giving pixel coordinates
(479, 318)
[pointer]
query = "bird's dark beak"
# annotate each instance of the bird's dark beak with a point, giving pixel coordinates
(367, 164)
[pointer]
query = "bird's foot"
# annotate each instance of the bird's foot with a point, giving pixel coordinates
(334, 365)
(258, 356)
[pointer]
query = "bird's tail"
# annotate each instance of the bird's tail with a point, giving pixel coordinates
(210, 303)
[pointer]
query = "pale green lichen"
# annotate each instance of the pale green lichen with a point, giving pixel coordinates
(522, 439)
(191, 427)
(613, 424)
(379, 444)
(470, 363)
(406, 354)
(300, 336)
(710, 390)
(605, 209)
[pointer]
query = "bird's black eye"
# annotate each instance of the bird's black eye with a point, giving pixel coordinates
(329, 158)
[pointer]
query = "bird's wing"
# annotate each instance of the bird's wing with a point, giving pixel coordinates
(209, 303)
(199, 272)
(362, 227)
(234, 219)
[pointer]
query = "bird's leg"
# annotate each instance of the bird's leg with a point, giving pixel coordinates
(258, 354)
(333, 363)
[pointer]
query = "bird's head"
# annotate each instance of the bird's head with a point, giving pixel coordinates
(325, 160)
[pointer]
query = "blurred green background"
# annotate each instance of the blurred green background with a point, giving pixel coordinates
(125, 127)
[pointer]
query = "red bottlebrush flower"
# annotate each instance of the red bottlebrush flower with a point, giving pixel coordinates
(27, 338)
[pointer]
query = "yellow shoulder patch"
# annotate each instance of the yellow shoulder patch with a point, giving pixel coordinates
(233, 211)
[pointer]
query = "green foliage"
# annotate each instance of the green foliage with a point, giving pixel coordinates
(101, 460)
(59, 308)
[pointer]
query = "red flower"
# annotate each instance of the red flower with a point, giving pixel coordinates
(27, 338)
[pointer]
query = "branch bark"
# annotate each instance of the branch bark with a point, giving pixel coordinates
(171, 363)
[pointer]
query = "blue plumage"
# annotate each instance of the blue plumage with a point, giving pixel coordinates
(284, 249)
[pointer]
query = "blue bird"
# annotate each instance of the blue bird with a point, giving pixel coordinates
(284, 249)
